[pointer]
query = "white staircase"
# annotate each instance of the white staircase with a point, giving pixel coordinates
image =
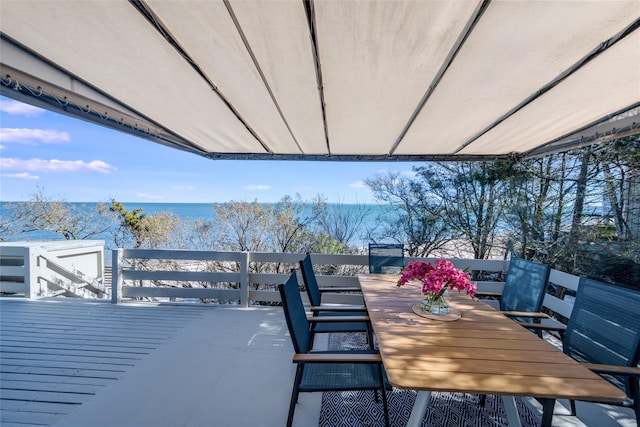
(46, 269)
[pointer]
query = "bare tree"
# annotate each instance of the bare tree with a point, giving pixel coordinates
(619, 161)
(471, 196)
(538, 193)
(342, 222)
(414, 216)
(242, 226)
(290, 220)
(73, 221)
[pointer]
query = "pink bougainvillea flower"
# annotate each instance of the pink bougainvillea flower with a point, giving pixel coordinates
(435, 279)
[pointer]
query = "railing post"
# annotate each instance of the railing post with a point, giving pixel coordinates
(244, 280)
(31, 276)
(117, 280)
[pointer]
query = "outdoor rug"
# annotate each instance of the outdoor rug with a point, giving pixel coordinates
(359, 409)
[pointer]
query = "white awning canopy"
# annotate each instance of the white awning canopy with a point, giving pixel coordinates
(334, 80)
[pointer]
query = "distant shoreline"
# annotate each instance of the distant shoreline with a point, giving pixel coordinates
(186, 211)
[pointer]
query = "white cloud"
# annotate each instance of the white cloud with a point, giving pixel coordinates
(23, 135)
(22, 175)
(56, 165)
(359, 185)
(410, 173)
(19, 109)
(258, 187)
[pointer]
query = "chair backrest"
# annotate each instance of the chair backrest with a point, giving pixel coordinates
(295, 314)
(382, 255)
(604, 326)
(525, 287)
(310, 281)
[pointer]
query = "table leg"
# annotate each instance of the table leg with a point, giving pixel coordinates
(419, 409)
(511, 410)
(547, 411)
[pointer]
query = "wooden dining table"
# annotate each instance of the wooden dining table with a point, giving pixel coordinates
(482, 352)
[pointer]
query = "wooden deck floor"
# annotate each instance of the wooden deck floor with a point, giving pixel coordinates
(56, 355)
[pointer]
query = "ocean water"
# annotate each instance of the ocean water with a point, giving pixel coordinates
(182, 210)
(189, 211)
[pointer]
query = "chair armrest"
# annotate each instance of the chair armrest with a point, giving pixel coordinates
(488, 294)
(631, 371)
(338, 308)
(337, 358)
(340, 289)
(334, 319)
(538, 328)
(543, 327)
(534, 315)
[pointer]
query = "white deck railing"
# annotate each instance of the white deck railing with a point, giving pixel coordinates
(36, 272)
(237, 276)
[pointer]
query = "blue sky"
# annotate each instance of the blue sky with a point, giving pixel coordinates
(82, 162)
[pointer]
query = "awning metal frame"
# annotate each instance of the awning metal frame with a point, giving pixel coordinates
(96, 106)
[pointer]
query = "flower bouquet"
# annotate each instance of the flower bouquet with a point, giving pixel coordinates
(436, 282)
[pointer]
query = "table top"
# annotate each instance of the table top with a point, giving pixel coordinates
(482, 352)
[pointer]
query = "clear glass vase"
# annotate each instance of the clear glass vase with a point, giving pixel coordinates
(436, 303)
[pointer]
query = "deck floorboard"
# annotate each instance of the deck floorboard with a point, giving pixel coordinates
(55, 355)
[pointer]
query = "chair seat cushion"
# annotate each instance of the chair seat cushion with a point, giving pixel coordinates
(341, 376)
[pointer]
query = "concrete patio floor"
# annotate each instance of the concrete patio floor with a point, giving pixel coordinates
(228, 367)
(222, 366)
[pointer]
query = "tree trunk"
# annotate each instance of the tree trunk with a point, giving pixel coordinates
(578, 208)
(612, 195)
(632, 211)
(558, 218)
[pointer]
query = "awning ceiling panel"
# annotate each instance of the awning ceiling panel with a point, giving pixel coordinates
(393, 51)
(333, 80)
(112, 47)
(554, 112)
(511, 53)
(220, 52)
(285, 57)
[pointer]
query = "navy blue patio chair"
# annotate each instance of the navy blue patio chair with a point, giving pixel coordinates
(524, 290)
(320, 371)
(603, 333)
(318, 309)
(522, 296)
(386, 258)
